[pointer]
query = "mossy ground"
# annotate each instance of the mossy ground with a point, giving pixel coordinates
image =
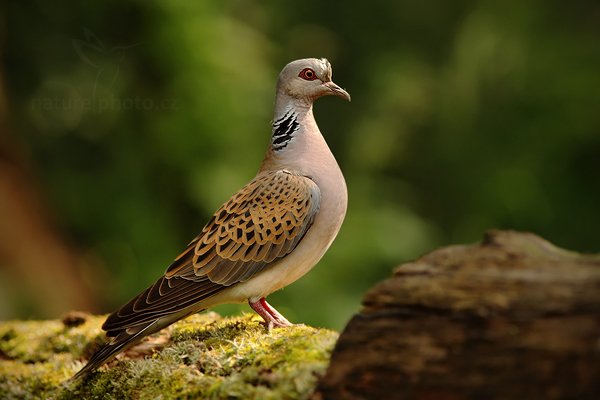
(202, 357)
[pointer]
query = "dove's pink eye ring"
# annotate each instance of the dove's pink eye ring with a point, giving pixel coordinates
(307, 74)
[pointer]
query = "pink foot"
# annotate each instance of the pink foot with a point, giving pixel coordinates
(269, 314)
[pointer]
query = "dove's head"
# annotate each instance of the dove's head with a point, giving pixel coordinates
(309, 79)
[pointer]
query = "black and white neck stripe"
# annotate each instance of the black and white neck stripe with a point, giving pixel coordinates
(283, 130)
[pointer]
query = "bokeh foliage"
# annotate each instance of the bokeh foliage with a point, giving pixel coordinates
(141, 118)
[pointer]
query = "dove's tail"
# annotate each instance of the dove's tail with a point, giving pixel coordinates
(122, 341)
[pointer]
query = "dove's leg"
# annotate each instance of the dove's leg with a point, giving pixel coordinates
(269, 314)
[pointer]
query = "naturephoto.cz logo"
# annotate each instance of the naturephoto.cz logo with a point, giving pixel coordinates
(102, 104)
(97, 93)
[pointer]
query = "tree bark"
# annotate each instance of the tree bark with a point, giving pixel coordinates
(511, 318)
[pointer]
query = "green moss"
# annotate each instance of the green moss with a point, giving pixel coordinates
(204, 356)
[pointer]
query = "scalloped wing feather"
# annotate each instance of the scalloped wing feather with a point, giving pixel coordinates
(264, 221)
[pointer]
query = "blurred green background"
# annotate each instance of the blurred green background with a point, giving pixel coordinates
(126, 124)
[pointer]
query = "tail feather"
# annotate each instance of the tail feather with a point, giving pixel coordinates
(124, 340)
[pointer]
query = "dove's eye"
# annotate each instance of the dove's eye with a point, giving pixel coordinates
(308, 74)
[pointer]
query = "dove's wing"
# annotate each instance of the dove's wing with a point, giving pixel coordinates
(260, 224)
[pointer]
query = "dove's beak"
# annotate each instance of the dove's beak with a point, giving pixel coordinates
(336, 90)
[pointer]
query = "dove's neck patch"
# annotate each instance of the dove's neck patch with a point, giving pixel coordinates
(283, 130)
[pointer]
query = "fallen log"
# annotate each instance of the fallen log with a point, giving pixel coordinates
(513, 317)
